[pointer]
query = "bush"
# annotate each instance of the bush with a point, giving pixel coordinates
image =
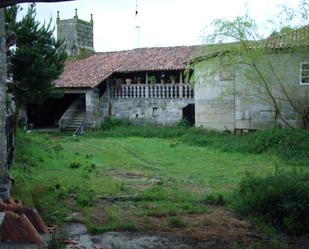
(281, 199)
(122, 128)
(112, 123)
(289, 144)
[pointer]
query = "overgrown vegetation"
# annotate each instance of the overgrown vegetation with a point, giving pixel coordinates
(288, 144)
(280, 199)
(128, 177)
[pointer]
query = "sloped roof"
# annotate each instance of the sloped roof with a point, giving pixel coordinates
(296, 39)
(90, 72)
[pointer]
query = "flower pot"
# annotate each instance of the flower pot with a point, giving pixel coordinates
(128, 81)
(4, 192)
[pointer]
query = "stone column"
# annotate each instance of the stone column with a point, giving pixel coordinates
(93, 107)
(3, 148)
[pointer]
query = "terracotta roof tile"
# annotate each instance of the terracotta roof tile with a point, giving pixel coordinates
(90, 72)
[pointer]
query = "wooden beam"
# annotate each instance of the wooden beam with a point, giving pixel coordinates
(5, 3)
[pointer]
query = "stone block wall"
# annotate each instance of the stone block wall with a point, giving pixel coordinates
(212, 110)
(236, 104)
(93, 114)
(155, 111)
(3, 147)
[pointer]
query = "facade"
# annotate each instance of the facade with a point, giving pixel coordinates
(148, 85)
(233, 97)
(145, 85)
(237, 103)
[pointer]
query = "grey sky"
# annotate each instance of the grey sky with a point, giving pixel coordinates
(163, 22)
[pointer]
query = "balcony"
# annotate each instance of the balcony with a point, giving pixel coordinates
(153, 91)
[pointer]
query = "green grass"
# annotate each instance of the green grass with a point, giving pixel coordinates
(61, 174)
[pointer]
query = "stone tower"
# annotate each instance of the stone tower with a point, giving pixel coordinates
(77, 35)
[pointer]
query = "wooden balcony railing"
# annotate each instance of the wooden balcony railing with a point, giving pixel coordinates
(153, 91)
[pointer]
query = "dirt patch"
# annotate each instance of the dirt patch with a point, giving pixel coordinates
(98, 216)
(217, 229)
(126, 174)
(116, 240)
(134, 180)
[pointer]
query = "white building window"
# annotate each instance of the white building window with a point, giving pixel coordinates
(304, 73)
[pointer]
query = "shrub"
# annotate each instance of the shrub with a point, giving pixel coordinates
(281, 199)
(122, 128)
(112, 123)
(289, 144)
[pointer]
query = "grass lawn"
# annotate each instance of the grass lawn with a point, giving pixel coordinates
(129, 183)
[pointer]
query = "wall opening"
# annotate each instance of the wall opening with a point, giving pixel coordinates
(48, 113)
(188, 114)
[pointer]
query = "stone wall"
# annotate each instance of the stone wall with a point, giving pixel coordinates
(237, 103)
(3, 149)
(155, 111)
(93, 114)
(214, 107)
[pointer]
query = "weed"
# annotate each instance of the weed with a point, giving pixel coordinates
(214, 199)
(75, 164)
(176, 222)
(126, 226)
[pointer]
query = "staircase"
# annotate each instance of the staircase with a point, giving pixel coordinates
(76, 120)
(74, 116)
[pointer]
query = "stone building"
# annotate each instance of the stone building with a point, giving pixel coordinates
(235, 100)
(77, 34)
(148, 85)
(143, 85)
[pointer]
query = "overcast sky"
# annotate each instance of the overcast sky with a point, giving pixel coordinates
(162, 22)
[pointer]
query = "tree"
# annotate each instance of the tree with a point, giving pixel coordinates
(241, 46)
(36, 60)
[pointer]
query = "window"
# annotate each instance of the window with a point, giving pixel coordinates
(155, 111)
(304, 73)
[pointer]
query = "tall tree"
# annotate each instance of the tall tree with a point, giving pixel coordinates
(36, 60)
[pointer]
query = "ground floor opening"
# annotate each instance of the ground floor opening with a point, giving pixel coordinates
(48, 113)
(188, 114)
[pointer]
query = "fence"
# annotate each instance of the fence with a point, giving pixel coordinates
(156, 91)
